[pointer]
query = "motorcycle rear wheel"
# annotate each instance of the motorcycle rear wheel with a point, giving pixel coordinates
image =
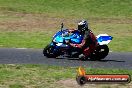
(100, 53)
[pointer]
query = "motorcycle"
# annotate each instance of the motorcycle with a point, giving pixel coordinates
(60, 45)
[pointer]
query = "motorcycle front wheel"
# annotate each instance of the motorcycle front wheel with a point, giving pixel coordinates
(49, 52)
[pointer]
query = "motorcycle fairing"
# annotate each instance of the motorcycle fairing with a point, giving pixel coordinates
(62, 36)
(104, 39)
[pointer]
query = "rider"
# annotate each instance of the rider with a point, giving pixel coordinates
(89, 41)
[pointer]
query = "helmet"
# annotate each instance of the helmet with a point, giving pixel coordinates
(82, 25)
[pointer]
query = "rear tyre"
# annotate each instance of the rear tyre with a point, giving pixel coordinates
(100, 53)
(49, 52)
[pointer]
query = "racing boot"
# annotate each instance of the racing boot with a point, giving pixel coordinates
(82, 57)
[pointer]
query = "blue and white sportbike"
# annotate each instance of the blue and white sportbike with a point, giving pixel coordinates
(60, 45)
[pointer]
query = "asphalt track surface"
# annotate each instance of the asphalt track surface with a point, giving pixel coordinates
(35, 56)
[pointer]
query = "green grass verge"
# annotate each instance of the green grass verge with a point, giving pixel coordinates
(71, 8)
(24, 39)
(43, 76)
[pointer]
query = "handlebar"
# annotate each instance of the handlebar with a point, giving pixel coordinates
(62, 25)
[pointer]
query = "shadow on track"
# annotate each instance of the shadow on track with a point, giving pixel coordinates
(98, 60)
(111, 61)
(103, 60)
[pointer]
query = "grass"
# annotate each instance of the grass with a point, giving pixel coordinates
(39, 76)
(22, 39)
(71, 8)
(31, 75)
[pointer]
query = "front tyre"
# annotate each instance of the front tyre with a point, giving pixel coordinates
(100, 53)
(49, 52)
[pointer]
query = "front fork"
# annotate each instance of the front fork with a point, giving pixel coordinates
(54, 47)
(63, 49)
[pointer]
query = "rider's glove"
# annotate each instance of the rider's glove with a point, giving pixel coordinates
(75, 45)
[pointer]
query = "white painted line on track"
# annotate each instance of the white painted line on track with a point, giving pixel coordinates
(21, 48)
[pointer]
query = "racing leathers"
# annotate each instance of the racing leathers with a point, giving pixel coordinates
(88, 44)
